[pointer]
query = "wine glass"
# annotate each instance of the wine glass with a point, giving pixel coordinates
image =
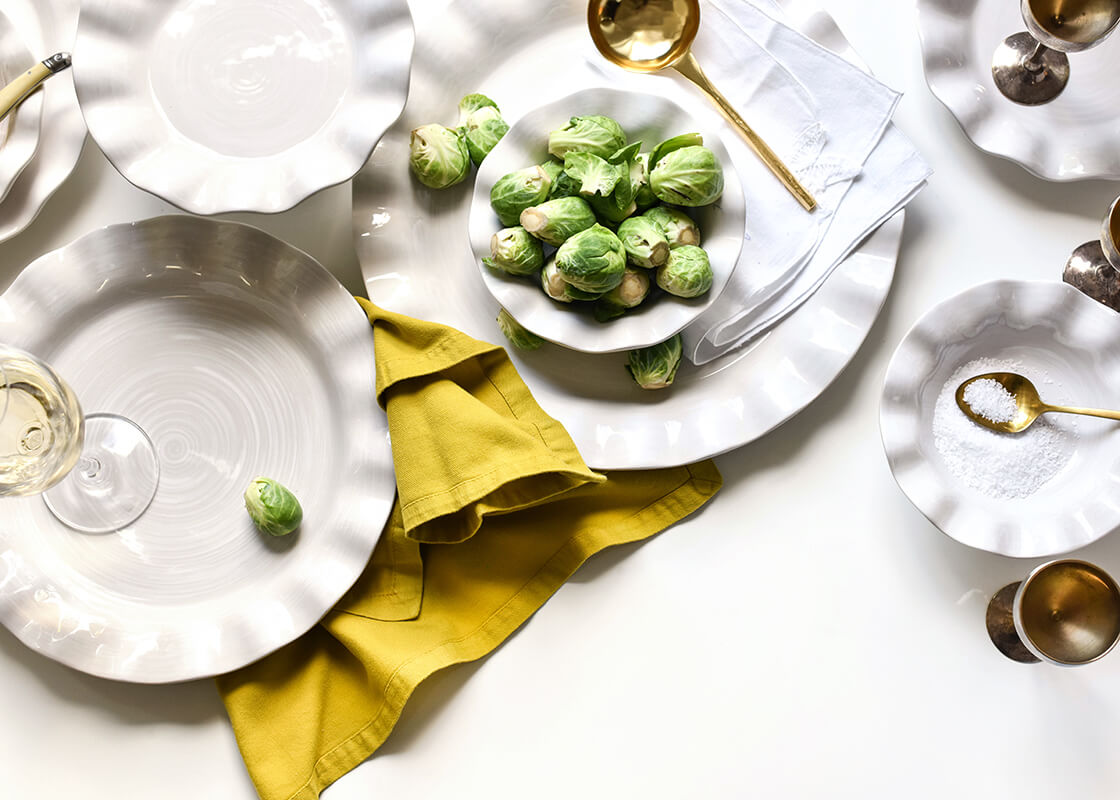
(97, 473)
(1066, 612)
(1031, 68)
(1094, 267)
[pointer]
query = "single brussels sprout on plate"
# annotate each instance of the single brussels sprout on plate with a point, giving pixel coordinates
(628, 294)
(687, 273)
(690, 176)
(655, 367)
(438, 156)
(518, 335)
(274, 509)
(516, 191)
(553, 221)
(644, 242)
(671, 144)
(515, 251)
(592, 260)
(676, 225)
(484, 129)
(595, 134)
(596, 176)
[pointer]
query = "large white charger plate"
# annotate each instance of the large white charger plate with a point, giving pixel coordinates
(242, 105)
(46, 27)
(645, 118)
(1074, 137)
(19, 131)
(1045, 326)
(416, 259)
(239, 356)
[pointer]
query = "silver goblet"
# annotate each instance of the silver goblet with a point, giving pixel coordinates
(1094, 267)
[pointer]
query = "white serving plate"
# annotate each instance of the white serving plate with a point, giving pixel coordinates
(239, 356)
(46, 27)
(1048, 327)
(19, 131)
(415, 257)
(1071, 138)
(646, 118)
(243, 105)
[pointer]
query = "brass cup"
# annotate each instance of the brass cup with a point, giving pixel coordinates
(1066, 612)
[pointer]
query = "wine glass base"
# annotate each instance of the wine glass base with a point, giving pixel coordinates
(1089, 270)
(114, 481)
(1024, 86)
(1001, 626)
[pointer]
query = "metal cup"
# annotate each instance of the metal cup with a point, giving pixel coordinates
(1065, 612)
(1094, 267)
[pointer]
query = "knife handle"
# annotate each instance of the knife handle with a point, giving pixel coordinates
(14, 93)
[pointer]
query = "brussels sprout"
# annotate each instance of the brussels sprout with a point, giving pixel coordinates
(639, 176)
(592, 260)
(438, 156)
(628, 294)
(553, 221)
(595, 134)
(687, 273)
(483, 129)
(644, 242)
(273, 508)
(519, 336)
(516, 191)
(675, 143)
(596, 175)
(619, 204)
(655, 367)
(608, 209)
(677, 226)
(515, 251)
(690, 176)
(472, 103)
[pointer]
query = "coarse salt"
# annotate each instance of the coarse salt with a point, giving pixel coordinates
(1001, 465)
(988, 399)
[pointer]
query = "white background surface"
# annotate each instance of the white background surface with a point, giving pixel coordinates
(809, 634)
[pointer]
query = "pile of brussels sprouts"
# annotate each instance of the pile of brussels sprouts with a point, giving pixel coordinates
(611, 213)
(440, 156)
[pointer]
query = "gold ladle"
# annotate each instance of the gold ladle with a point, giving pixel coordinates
(651, 35)
(1028, 404)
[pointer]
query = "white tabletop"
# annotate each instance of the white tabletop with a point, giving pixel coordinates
(809, 634)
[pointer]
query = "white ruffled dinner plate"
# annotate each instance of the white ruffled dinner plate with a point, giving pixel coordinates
(19, 131)
(239, 356)
(648, 119)
(242, 105)
(1066, 343)
(46, 27)
(1074, 137)
(412, 247)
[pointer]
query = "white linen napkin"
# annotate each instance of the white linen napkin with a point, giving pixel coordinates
(825, 117)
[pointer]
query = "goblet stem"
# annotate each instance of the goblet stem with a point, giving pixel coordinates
(1033, 62)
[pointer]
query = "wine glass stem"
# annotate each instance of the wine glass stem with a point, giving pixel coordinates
(1033, 62)
(88, 467)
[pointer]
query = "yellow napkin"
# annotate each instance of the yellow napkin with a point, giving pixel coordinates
(495, 510)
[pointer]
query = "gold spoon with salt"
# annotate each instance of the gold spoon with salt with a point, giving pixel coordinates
(652, 35)
(1028, 405)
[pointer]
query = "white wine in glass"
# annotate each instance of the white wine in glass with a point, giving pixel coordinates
(97, 473)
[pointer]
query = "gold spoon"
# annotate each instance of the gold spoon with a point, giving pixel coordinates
(651, 35)
(1028, 404)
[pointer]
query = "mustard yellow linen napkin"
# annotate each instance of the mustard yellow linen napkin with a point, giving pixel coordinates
(495, 510)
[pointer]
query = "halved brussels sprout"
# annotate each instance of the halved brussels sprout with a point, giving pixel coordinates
(596, 176)
(655, 367)
(438, 156)
(516, 191)
(273, 508)
(687, 273)
(690, 176)
(519, 336)
(633, 289)
(483, 129)
(515, 251)
(592, 260)
(644, 242)
(676, 225)
(594, 134)
(553, 221)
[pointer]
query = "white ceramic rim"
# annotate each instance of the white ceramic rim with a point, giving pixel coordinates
(152, 154)
(575, 328)
(961, 513)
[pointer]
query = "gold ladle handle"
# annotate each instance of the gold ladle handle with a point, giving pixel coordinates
(1089, 412)
(689, 68)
